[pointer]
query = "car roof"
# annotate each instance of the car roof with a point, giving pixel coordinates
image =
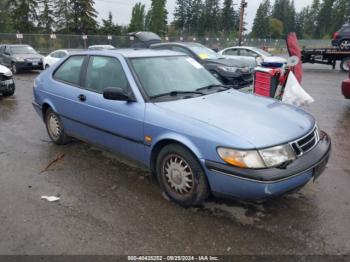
(184, 44)
(133, 53)
(13, 45)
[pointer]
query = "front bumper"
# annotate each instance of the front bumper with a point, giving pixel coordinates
(260, 184)
(7, 86)
(29, 66)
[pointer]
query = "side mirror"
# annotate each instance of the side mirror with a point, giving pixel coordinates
(117, 94)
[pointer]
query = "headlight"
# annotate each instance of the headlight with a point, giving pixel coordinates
(277, 155)
(265, 158)
(231, 69)
(244, 159)
(19, 59)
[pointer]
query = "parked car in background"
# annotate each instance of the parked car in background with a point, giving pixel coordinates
(197, 136)
(20, 57)
(7, 85)
(57, 55)
(252, 54)
(101, 47)
(341, 38)
(346, 86)
(229, 71)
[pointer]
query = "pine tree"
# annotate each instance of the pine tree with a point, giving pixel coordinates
(5, 18)
(137, 22)
(340, 14)
(261, 25)
(23, 15)
(63, 16)
(229, 18)
(182, 15)
(211, 14)
(196, 23)
(300, 22)
(84, 16)
(158, 17)
(324, 19)
(46, 17)
(108, 27)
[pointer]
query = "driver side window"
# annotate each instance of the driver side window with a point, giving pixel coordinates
(234, 52)
(105, 72)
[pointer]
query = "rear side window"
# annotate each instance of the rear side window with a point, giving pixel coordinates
(105, 72)
(232, 52)
(70, 70)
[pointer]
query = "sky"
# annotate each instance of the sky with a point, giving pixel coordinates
(121, 9)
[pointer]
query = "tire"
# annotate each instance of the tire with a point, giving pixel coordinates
(14, 68)
(9, 93)
(344, 64)
(344, 44)
(175, 163)
(55, 128)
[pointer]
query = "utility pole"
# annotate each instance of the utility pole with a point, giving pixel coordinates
(244, 4)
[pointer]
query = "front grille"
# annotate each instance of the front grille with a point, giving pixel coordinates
(306, 143)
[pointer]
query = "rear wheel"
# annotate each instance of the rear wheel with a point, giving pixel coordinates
(55, 128)
(345, 44)
(180, 176)
(344, 64)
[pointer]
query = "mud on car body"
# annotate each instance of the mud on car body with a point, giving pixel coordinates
(166, 111)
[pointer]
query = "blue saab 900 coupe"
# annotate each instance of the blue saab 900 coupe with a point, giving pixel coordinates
(197, 136)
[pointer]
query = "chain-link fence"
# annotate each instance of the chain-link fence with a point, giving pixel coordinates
(46, 43)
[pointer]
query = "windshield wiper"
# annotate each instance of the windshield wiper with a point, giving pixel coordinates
(176, 93)
(208, 87)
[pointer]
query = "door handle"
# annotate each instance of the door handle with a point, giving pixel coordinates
(82, 98)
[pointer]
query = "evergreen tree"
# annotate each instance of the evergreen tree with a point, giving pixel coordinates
(284, 10)
(5, 18)
(23, 15)
(108, 27)
(340, 14)
(324, 19)
(63, 16)
(229, 18)
(196, 23)
(261, 25)
(137, 22)
(300, 22)
(182, 15)
(158, 17)
(84, 16)
(211, 14)
(276, 28)
(46, 17)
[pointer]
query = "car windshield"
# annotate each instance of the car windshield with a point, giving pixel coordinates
(177, 74)
(204, 52)
(23, 50)
(261, 51)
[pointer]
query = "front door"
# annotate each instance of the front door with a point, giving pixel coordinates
(117, 125)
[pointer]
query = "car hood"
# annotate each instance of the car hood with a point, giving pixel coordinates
(229, 62)
(5, 71)
(275, 59)
(261, 121)
(26, 56)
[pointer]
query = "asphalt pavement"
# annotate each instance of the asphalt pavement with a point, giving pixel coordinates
(108, 205)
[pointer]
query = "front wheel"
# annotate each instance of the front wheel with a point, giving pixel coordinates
(345, 44)
(55, 128)
(180, 176)
(345, 64)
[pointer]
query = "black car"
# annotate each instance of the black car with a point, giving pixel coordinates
(20, 57)
(7, 85)
(341, 38)
(233, 72)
